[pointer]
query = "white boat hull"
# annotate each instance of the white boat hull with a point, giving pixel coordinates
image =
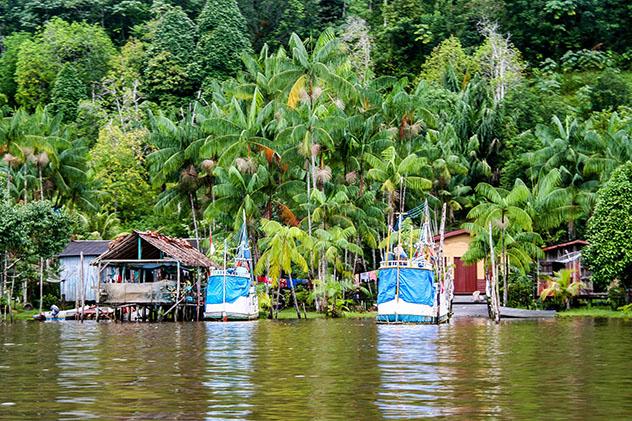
(244, 308)
(400, 311)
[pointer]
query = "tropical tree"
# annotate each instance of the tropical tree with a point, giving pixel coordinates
(222, 39)
(504, 209)
(173, 164)
(235, 133)
(396, 173)
(239, 189)
(563, 287)
(608, 255)
(280, 252)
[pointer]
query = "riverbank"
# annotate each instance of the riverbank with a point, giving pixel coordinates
(597, 312)
(290, 313)
(21, 314)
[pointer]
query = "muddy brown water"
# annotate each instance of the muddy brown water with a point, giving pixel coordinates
(317, 369)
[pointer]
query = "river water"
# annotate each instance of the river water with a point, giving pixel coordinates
(317, 369)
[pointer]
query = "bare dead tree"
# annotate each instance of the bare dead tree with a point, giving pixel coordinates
(501, 64)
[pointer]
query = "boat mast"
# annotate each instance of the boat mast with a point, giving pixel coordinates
(251, 267)
(224, 286)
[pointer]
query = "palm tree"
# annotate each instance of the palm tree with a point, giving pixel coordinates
(549, 204)
(173, 164)
(100, 225)
(236, 133)
(396, 173)
(312, 70)
(608, 148)
(238, 190)
(504, 210)
(281, 252)
(316, 88)
(563, 286)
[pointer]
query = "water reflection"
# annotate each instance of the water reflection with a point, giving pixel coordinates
(411, 380)
(229, 369)
(78, 370)
(317, 370)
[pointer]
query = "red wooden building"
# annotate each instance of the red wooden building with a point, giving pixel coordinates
(467, 278)
(564, 256)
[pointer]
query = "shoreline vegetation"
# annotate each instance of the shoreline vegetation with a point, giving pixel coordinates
(321, 128)
(596, 312)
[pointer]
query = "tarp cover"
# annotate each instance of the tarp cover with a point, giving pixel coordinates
(236, 286)
(148, 293)
(415, 285)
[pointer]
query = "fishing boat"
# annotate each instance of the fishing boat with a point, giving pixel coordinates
(414, 287)
(89, 312)
(231, 293)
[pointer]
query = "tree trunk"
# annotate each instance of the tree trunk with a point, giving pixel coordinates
(3, 285)
(8, 192)
(278, 296)
(503, 265)
(313, 167)
(195, 227)
(309, 201)
(41, 284)
(271, 295)
(298, 312)
(39, 168)
(11, 297)
(26, 200)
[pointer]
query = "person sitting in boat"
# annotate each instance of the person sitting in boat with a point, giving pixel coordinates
(400, 254)
(54, 310)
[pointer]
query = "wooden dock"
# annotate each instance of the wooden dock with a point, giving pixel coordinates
(463, 310)
(521, 313)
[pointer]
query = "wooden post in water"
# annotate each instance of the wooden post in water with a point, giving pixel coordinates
(98, 297)
(494, 287)
(77, 295)
(175, 314)
(441, 261)
(197, 301)
(83, 286)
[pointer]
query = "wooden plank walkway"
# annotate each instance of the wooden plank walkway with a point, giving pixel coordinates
(520, 313)
(480, 311)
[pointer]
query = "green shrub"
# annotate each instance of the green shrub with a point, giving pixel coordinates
(608, 254)
(49, 300)
(609, 91)
(520, 294)
(616, 294)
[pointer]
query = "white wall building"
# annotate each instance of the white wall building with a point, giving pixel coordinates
(70, 268)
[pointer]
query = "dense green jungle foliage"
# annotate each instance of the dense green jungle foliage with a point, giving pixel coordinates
(320, 119)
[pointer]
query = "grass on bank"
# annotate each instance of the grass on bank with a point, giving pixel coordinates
(290, 313)
(603, 312)
(21, 314)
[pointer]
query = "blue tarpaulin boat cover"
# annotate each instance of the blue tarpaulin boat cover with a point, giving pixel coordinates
(415, 285)
(236, 286)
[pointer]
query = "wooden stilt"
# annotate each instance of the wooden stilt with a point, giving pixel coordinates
(83, 286)
(175, 314)
(98, 297)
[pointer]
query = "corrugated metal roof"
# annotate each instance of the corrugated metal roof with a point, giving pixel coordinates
(88, 247)
(175, 248)
(570, 243)
(450, 234)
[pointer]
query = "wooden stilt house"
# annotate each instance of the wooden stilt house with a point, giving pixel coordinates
(150, 276)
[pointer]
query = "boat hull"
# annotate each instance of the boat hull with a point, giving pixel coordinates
(408, 295)
(401, 312)
(244, 308)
